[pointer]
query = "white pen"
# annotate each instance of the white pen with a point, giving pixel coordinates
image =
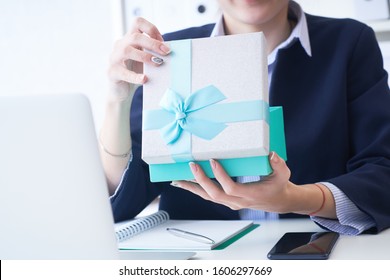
(190, 235)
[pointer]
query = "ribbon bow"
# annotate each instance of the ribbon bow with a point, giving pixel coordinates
(183, 118)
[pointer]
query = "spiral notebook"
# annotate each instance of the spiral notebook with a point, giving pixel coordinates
(150, 232)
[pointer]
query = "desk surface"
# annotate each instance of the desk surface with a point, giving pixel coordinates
(256, 244)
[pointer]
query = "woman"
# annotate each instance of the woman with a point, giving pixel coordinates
(327, 74)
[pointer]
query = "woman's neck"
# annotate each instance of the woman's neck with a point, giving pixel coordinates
(275, 31)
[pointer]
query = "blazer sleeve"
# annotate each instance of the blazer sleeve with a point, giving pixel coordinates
(367, 180)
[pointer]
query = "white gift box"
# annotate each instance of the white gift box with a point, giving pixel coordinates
(230, 69)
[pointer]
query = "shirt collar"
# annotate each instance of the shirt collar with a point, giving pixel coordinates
(300, 32)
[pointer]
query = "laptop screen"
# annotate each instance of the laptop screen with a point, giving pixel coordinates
(54, 200)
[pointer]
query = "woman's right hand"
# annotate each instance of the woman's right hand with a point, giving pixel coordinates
(125, 75)
(126, 61)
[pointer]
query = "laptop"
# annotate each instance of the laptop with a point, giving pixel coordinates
(54, 202)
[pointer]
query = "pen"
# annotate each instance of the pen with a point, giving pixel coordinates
(190, 235)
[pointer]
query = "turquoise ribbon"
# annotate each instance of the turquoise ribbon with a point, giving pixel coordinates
(199, 113)
(208, 113)
(182, 111)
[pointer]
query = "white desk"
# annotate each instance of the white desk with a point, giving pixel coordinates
(256, 244)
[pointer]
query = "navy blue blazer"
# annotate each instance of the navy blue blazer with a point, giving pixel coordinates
(337, 124)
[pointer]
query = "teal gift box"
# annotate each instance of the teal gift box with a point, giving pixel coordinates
(209, 99)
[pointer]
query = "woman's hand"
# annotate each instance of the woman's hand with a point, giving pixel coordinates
(125, 74)
(269, 194)
(275, 193)
(128, 56)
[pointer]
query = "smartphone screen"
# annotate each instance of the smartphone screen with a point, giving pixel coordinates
(304, 246)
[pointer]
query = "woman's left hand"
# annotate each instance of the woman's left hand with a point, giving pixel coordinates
(275, 193)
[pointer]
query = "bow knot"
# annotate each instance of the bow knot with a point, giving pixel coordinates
(180, 116)
(173, 103)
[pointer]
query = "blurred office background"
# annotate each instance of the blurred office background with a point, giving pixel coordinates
(61, 46)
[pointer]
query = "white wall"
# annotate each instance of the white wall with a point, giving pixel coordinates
(56, 46)
(364, 10)
(171, 15)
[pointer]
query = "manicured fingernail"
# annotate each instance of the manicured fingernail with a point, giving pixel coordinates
(274, 157)
(157, 60)
(193, 167)
(175, 184)
(213, 163)
(165, 49)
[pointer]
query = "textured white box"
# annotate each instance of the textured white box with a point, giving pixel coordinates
(237, 65)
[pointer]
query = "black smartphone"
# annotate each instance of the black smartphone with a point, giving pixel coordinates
(304, 246)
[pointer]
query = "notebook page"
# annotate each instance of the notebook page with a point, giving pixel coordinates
(160, 238)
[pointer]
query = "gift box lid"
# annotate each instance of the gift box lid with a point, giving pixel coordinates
(228, 76)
